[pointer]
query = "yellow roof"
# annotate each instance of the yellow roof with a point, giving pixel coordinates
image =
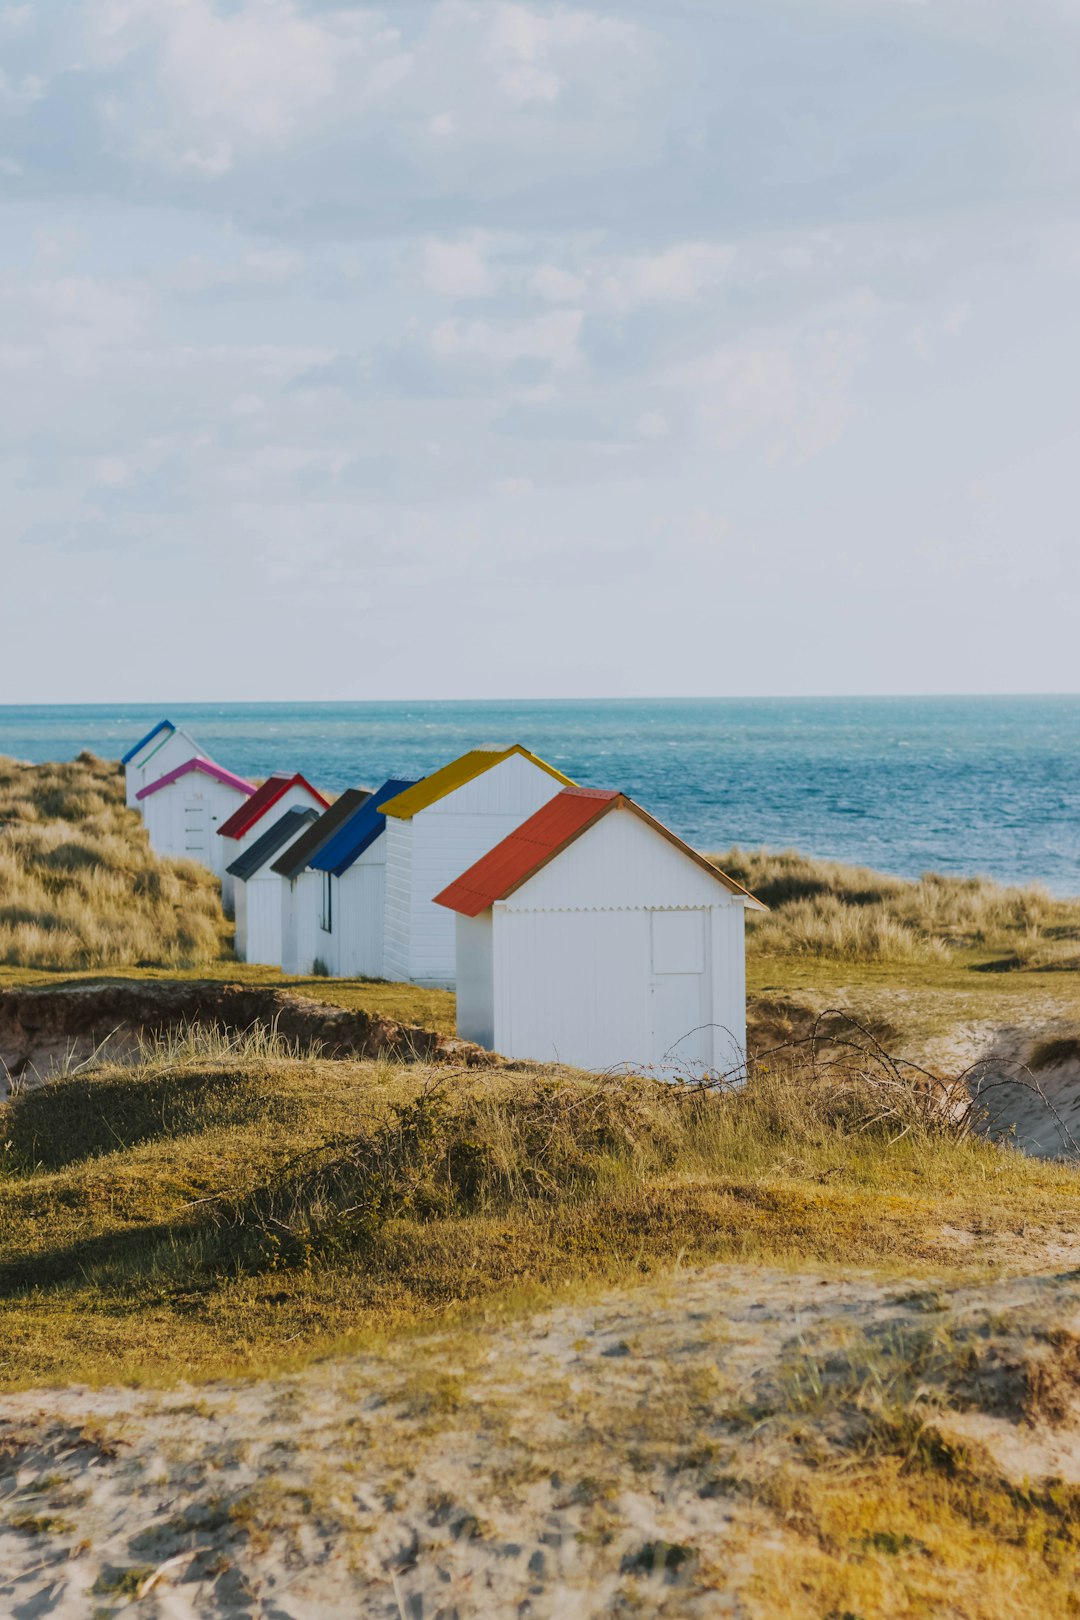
(455, 775)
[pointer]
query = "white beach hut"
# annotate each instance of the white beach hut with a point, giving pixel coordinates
(594, 936)
(352, 889)
(302, 889)
(248, 822)
(436, 829)
(257, 888)
(163, 748)
(184, 809)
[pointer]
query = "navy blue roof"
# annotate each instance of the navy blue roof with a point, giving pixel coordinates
(359, 832)
(162, 725)
(276, 837)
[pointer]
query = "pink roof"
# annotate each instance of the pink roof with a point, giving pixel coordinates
(205, 767)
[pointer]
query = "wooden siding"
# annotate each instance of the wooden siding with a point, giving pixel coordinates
(260, 896)
(300, 923)
(619, 862)
(157, 760)
(398, 839)
(445, 840)
(621, 953)
(360, 918)
(573, 988)
(475, 979)
(170, 813)
(297, 798)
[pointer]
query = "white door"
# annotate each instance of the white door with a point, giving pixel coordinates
(682, 1038)
(196, 830)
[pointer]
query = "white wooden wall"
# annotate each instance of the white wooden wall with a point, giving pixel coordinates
(445, 840)
(296, 798)
(155, 762)
(475, 979)
(182, 819)
(300, 931)
(240, 915)
(621, 953)
(260, 899)
(397, 915)
(360, 899)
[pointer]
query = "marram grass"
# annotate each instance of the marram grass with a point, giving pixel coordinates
(79, 884)
(187, 1215)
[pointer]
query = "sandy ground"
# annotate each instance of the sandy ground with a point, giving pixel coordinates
(575, 1464)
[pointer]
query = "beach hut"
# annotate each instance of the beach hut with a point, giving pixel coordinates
(163, 748)
(435, 830)
(184, 809)
(257, 888)
(352, 889)
(248, 822)
(302, 888)
(594, 936)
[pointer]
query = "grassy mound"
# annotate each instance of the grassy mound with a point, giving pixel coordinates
(187, 1214)
(79, 885)
(850, 913)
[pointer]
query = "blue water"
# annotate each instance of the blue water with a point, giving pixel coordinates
(908, 785)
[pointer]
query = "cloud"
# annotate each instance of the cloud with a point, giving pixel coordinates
(458, 269)
(531, 51)
(550, 339)
(787, 393)
(219, 85)
(678, 273)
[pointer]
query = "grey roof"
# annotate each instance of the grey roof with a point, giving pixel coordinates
(257, 854)
(298, 855)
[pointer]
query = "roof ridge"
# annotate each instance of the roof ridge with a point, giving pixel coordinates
(206, 767)
(543, 836)
(457, 773)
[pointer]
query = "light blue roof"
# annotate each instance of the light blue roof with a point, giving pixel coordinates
(162, 725)
(359, 832)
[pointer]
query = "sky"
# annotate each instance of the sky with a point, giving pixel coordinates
(484, 349)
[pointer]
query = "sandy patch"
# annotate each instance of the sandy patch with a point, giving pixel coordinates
(570, 1465)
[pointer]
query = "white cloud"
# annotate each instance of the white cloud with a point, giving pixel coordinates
(556, 285)
(458, 269)
(787, 393)
(226, 83)
(552, 339)
(653, 425)
(530, 51)
(111, 472)
(676, 274)
(259, 267)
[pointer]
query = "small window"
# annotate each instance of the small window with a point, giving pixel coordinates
(326, 919)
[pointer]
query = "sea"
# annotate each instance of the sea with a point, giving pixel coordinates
(986, 785)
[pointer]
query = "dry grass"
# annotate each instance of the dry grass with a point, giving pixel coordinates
(79, 885)
(848, 913)
(192, 1214)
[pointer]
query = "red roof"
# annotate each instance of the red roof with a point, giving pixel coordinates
(205, 767)
(527, 848)
(264, 799)
(538, 840)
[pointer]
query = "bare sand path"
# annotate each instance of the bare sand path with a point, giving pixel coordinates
(574, 1464)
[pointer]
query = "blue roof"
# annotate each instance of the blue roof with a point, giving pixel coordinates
(359, 832)
(162, 725)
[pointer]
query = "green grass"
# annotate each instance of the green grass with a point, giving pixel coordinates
(181, 1218)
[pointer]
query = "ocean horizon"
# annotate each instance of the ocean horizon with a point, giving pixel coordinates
(963, 785)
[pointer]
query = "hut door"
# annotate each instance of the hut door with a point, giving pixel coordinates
(681, 1039)
(196, 836)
